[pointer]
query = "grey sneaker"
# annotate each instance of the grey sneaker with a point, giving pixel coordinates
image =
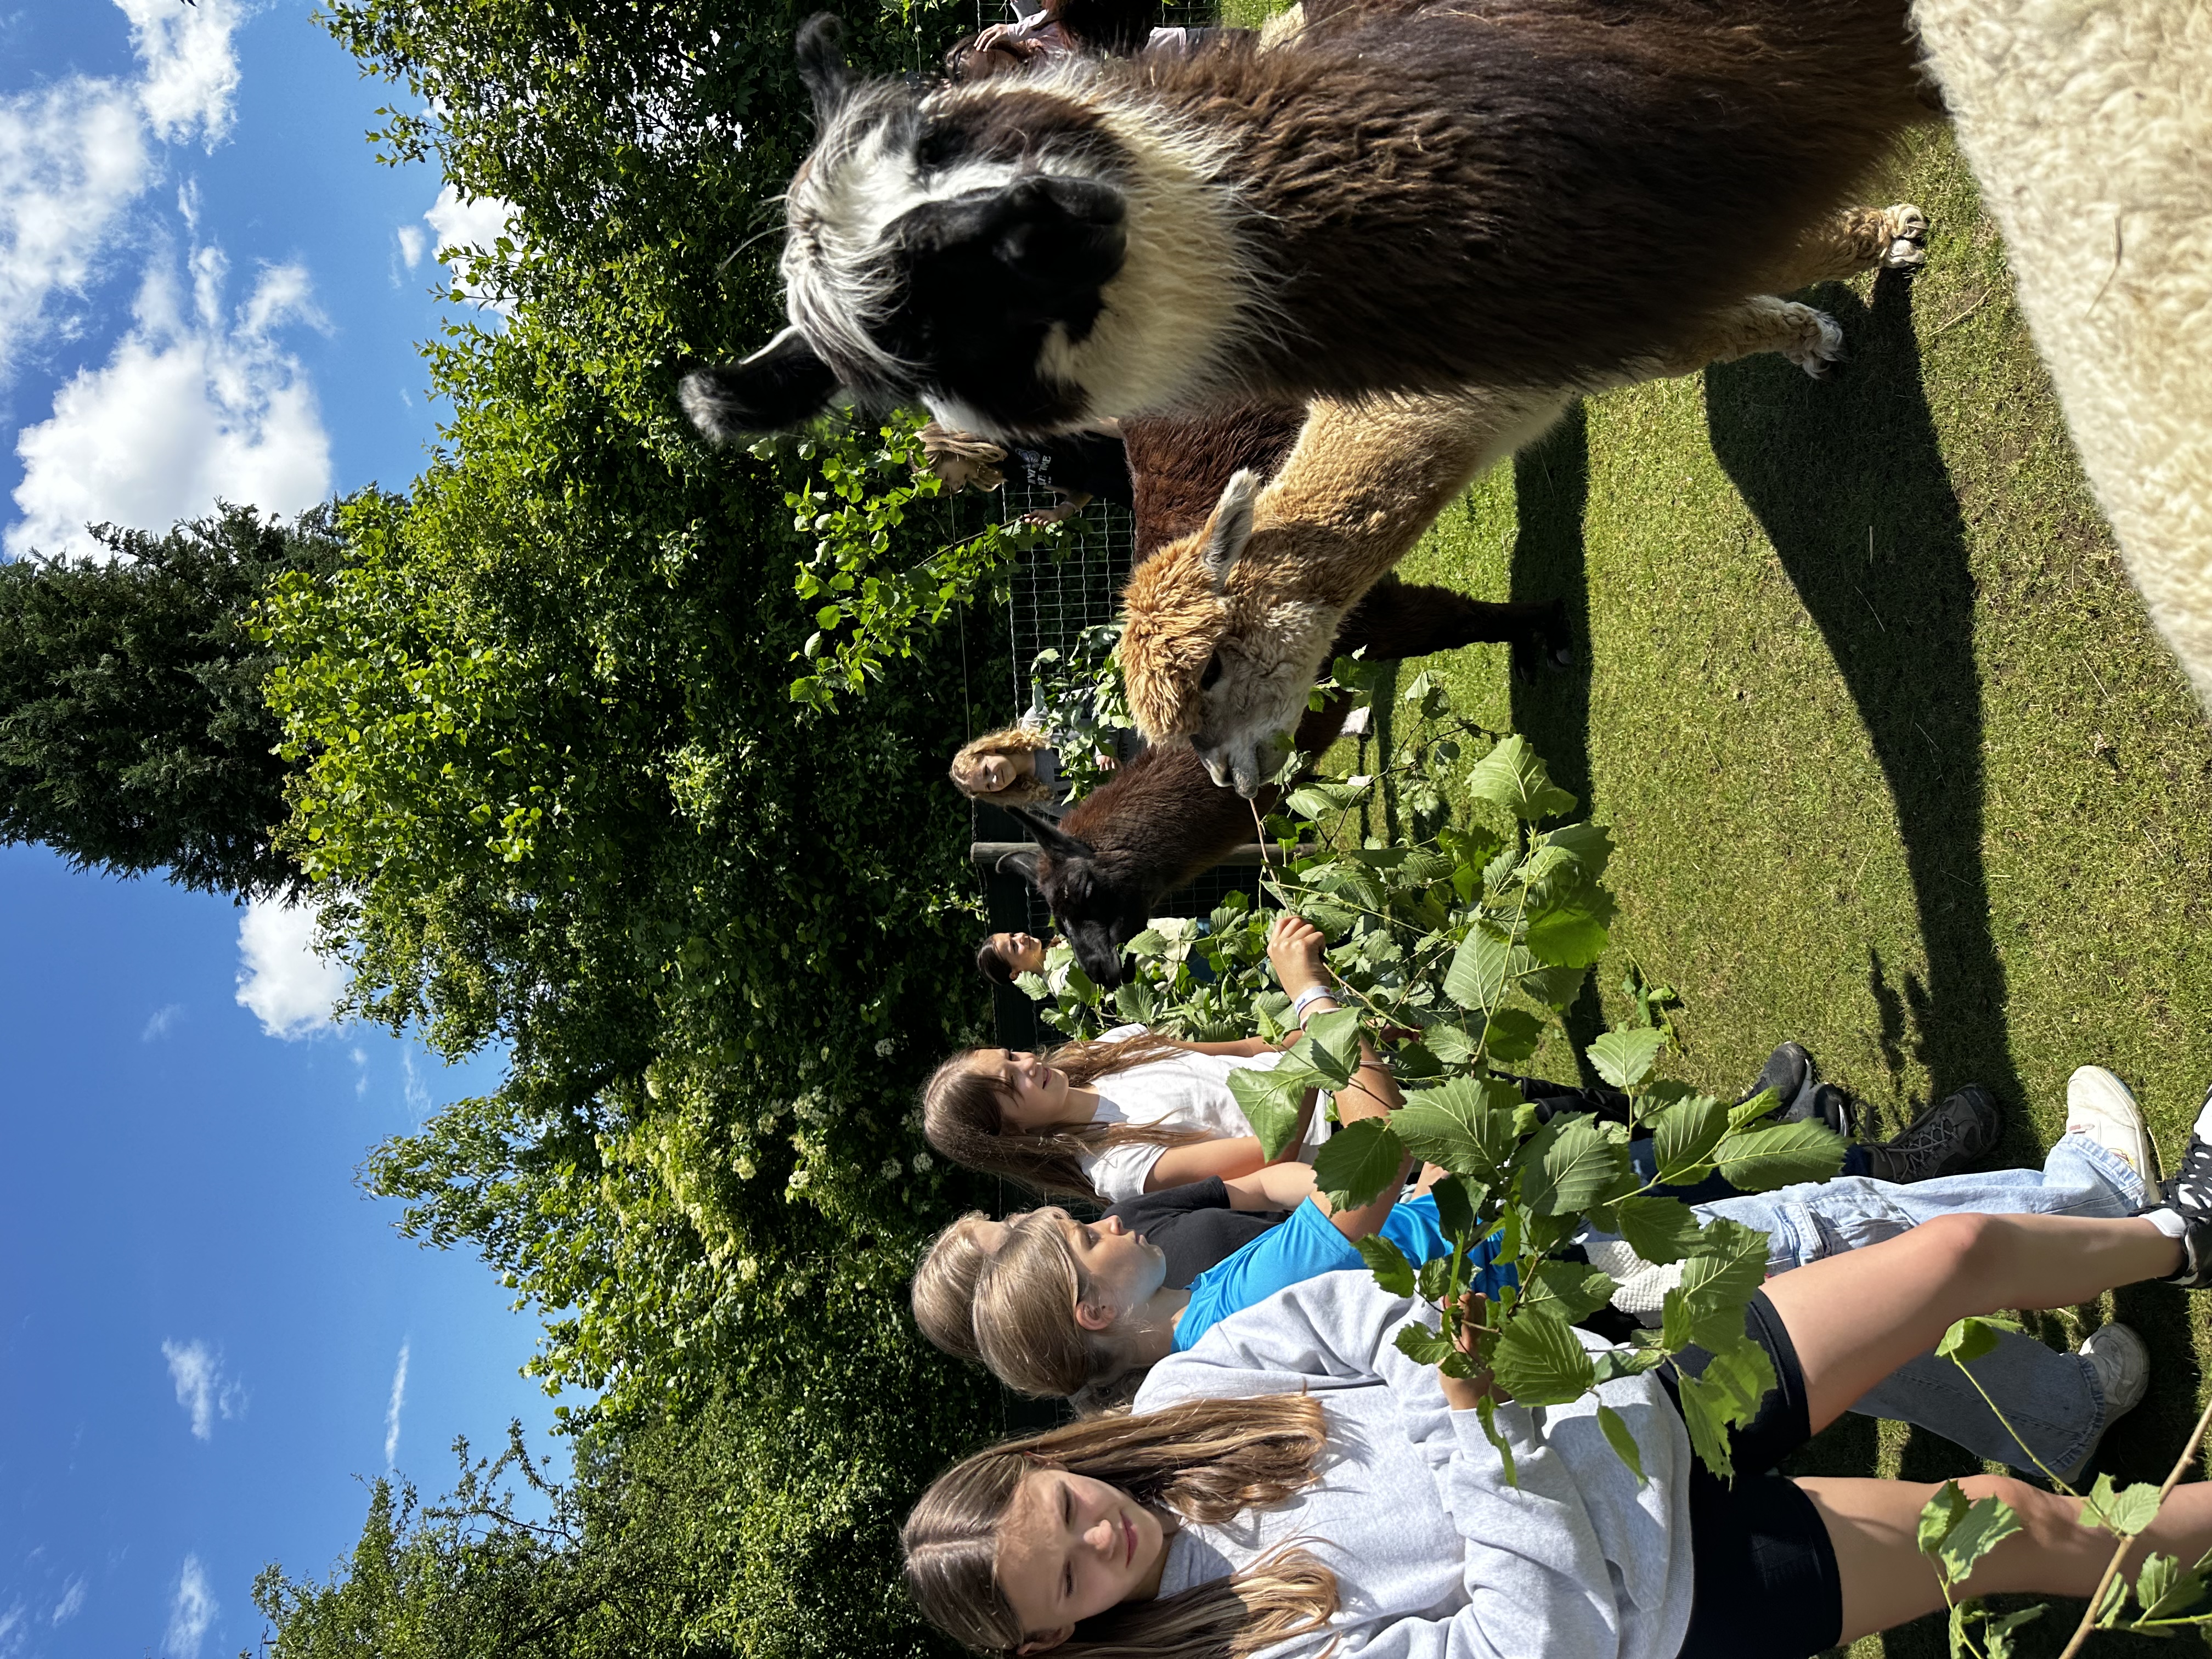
(2100, 1107)
(2121, 1364)
(1957, 1132)
(1789, 1073)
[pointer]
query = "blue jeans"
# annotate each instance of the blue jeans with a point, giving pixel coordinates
(2053, 1399)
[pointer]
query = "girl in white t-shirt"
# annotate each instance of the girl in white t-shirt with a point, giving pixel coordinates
(1127, 1112)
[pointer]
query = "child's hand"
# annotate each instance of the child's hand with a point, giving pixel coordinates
(1464, 1394)
(1294, 948)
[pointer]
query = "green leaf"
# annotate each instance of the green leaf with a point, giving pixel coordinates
(2114, 1602)
(1270, 1100)
(1970, 1339)
(1987, 1522)
(1455, 1217)
(1780, 1155)
(1435, 1277)
(1569, 1289)
(1423, 1345)
(1465, 1126)
(1511, 776)
(1939, 1514)
(1625, 1059)
(1451, 1045)
(1555, 988)
(1622, 1441)
(1683, 1136)
(1148, 945)
(1660, 1229)
(1134, 1000)
(2124, 1512)
(2163, 1590)
(1572, 929)
(1568, 1166)
(1356, 1164)
(1996, 1633)
(1512, 1034)
(1485, 963)
(1391, 1271)
(1589, 845)
(1538, 1361)
(1334, 1037)
(1729, 1391)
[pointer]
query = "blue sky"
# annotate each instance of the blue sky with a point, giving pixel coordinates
(208, 287)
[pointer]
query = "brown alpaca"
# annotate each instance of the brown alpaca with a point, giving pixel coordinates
(1407, 198)
(1228, 627)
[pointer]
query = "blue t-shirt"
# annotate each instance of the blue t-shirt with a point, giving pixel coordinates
(1307, 1245)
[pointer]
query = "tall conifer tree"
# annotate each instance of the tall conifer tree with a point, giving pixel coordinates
(133, 736)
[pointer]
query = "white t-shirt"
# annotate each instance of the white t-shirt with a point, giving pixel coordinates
(1181, 1091)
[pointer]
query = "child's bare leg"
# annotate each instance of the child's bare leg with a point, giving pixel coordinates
(1886, 1580)
(1855, 1318)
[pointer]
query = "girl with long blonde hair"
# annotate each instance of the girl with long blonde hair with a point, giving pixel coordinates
(1218, 1517)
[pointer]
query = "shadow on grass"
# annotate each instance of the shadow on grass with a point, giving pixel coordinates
(1551, 489)
(1848, 480)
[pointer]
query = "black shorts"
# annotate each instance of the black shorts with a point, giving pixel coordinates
(1766, 1586)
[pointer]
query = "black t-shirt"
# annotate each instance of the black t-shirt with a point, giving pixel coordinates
(1194, 1225)
(1082, 464)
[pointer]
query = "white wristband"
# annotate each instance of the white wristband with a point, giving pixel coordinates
(1312, 993)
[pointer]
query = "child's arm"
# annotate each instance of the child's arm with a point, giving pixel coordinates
(1227, 1156)
(1243, 1048)
(1276, 1186)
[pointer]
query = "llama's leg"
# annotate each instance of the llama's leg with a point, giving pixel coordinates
(1395, 620)
(1807, 337)
(1893, 238)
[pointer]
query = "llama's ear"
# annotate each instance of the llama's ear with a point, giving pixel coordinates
(1050, 836)
(1229, 528)
(1023, 864)
(780, 387)
(822, 64)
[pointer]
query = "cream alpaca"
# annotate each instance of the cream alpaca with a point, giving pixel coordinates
(2088, 124)
(1228, 627)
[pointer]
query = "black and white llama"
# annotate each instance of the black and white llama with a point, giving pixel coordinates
(1404, 198)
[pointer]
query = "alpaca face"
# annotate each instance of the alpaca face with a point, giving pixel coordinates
(1223, 661)
(1098, 914)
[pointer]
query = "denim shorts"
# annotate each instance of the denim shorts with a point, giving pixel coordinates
(1764, 1572)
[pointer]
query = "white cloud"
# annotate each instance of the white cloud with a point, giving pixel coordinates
(391, 1411)
(14, 1630)
(191, 1614)
(459, 224)
(73, 156)
(290, 988)
(412, 244)
(202, 1388)
(72, 1601)
(192, 405)
(162, 1020)
(191, 71)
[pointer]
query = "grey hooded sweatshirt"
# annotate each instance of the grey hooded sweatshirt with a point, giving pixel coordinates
(1436, 1557)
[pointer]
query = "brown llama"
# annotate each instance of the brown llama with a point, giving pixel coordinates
(1406, 198)
(1228, 626)
(1158, 822)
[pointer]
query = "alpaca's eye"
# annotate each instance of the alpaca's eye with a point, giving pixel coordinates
(1213, 672)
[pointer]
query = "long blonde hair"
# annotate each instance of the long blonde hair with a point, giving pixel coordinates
(1023, 1318)
(940, 443)
(960, 1117)
(1208, 1460)
(1006, 740)
(944, 1286)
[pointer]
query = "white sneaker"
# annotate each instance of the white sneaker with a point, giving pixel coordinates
(2099, 1105)
(2121, 1363)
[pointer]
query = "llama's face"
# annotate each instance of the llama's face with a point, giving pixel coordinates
(1220, 649)
(954, 246)
(1098, 915)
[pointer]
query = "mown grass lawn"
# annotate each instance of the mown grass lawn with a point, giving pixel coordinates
(1895, 763)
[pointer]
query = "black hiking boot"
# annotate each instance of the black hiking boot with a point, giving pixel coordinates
(1956, 1133)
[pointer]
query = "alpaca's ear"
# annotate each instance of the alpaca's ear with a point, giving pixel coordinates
(822, 64)
(782, 386)
(1051, 837)
(1023, 863)
(1229, 528)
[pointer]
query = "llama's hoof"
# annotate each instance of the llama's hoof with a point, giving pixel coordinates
(1821, 346)
(1908, 238)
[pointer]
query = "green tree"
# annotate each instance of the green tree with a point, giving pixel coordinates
(133, 735)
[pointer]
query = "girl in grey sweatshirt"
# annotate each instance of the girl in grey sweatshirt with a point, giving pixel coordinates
(1294, 1485)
